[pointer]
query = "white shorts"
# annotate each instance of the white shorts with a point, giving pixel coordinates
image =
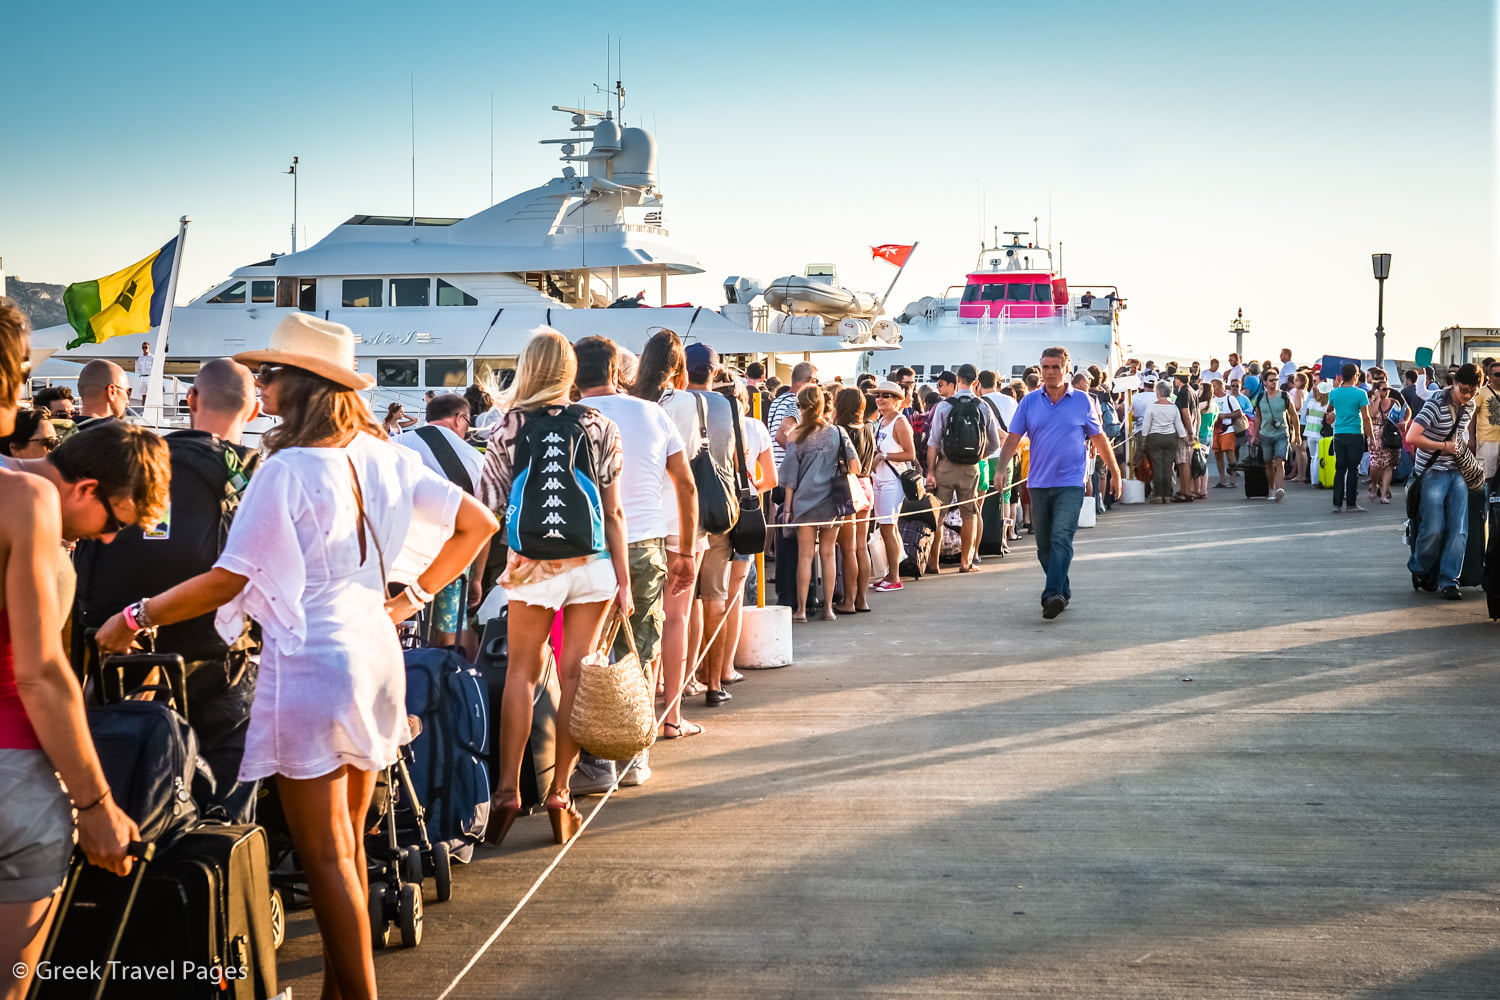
(889, 495)
(590, 583)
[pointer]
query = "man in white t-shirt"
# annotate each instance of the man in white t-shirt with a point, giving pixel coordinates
(1236, 371)
(1288, 366)
(1213, 371)
(655, 473)
(144, 365)
(443, 449)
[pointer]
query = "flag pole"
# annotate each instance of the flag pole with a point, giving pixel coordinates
(897, 278)
(158, 368)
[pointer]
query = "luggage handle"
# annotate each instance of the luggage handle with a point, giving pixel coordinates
(116, 673)
(143, 852)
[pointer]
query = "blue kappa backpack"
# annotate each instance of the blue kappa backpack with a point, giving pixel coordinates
(554, 511)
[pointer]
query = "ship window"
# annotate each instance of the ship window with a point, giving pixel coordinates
(995, 292)
(410, 291)
(233, 295)
(449, 295)
(1018, 293)
(1041, 293)
(307, 294)
(396, 373)
(971, 293)
(360, 293)
(494, 373)
(263, 291)
(447, 373)
(917, 370)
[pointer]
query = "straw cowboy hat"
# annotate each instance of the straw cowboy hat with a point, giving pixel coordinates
(314, 345)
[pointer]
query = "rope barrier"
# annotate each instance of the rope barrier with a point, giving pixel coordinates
(735, 601)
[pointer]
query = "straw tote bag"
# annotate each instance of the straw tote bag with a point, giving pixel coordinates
(614, 715)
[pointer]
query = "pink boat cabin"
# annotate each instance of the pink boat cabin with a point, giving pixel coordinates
(1013, 295)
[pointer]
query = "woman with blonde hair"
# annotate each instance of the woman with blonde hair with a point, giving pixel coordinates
(813, 454)
(333, 516)
(539, 582)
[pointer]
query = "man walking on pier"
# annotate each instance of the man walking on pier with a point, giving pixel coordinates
(1061, 423)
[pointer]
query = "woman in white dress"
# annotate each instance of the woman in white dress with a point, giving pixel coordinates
(333, 515)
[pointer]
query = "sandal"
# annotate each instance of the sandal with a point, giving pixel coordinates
(694, 687)
(565, 817)
(680, 732)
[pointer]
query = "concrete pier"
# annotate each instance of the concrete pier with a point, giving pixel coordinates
(1248, 762)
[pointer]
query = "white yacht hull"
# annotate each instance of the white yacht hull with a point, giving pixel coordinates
(1008, 347)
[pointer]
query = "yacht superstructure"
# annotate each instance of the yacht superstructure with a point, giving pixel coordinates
(437, 303)
(1012, 304)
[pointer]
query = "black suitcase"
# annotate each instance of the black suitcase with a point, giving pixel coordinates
(1257, 486)
(992, 525)
(541, 749)
(786, 575)
(1492, 551)
(94, 908)
(1472, 574)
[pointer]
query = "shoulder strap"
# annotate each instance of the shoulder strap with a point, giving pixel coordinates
(702, 421)
(447, 458)
(741, 471)
(995, 409)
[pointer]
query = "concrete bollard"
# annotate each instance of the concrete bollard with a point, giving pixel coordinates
(1134, 491)
(765, 638)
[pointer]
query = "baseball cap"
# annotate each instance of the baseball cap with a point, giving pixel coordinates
(701, 357)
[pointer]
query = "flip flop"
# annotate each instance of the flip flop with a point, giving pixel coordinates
(682, 732)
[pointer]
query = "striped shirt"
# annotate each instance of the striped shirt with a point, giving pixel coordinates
(783, 406)
(1436, 418)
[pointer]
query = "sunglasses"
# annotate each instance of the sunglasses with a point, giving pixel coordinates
(265, 373)
(47, 443)
(112, 524)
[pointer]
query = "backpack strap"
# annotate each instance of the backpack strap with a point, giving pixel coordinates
(447, 458)
(702, 422)
(995, 409)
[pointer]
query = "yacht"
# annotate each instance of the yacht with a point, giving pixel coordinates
(438, 303)
(1012, 304)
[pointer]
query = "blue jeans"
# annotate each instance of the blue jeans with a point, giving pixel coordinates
(1444, 528)
(1054, 520)
(1347, 451)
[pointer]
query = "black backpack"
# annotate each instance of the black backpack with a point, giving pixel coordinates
(963, 431)
(554, 511)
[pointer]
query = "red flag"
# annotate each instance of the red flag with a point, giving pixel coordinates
(891, 253)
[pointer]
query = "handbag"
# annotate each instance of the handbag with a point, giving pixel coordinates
(613, 714)
(748, 536)
(1237, 419)
(1199, 460)
(718, 508)
(913, 484)
(847, 494)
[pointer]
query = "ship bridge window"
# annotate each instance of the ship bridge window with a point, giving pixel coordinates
(360, 293)
(1041, 293)
(233, 295)
(396, 373)
(263, 291)
(450, 295)
(447, 373)
(1018, 293)
(410, 291)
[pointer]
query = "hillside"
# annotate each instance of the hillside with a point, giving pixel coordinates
(42, 302)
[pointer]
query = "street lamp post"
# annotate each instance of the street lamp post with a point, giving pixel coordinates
(1381, 262)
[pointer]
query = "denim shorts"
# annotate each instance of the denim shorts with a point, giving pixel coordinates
(36, 827)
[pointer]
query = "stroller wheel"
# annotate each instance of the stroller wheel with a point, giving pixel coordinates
(380, 924)
(442, 872)
(411, 866)
(409, 914)
(278, 919)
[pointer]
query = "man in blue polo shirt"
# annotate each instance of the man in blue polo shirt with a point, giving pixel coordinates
(1061, 424)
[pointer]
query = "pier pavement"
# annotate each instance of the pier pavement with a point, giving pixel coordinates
(1248, 762)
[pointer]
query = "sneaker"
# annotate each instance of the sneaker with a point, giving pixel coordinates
(1279, 494)
(1452, 593)
(637, 773)
(886, 587)
(714, 698)
(1053, 606)
(593, 776)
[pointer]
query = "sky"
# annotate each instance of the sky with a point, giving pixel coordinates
(1202, 157)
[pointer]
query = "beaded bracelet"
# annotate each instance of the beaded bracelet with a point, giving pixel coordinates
(94, 803)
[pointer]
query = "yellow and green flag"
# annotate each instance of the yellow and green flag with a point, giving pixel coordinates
(124, 303)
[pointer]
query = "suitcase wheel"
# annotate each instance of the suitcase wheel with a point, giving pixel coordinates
(409, 914)
(278, 919)
(380, 922)
(442, 872)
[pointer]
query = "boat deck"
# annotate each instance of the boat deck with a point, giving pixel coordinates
(1248, 762)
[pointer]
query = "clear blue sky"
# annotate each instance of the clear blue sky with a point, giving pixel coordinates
(1202, 158)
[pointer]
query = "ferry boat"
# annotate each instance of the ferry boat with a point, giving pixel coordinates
(1011, 306)
(439, 303)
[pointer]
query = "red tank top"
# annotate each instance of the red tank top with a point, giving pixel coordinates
(15, 728)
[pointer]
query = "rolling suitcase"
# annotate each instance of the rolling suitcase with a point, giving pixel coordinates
(1324, 478)
(1257, 486)
(992, 525)
(1492, 551)
(1472, 575)
(541, 748)
(93, 910)
(917, 527)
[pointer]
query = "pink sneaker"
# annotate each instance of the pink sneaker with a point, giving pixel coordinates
(886, 587)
